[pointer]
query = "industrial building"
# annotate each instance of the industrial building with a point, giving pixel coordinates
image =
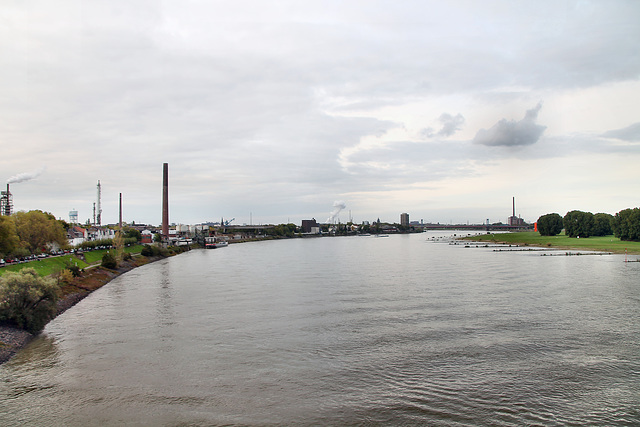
(404, 219)
(513, 220)
(310, 226)
(6, 202)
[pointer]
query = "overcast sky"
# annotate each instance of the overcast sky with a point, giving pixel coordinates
(273, 111)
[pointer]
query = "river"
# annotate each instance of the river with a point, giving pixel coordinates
(407, 329)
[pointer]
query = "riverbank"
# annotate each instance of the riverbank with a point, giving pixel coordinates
(532, 238)
(13, 339)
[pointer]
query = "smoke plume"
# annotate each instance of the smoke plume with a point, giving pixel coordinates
(338, 205)
(25, 176)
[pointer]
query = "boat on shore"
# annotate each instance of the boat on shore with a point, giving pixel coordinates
(212, 243)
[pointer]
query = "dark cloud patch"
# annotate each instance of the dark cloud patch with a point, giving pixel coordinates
(630, 133)
(450, 125)
(510, 133)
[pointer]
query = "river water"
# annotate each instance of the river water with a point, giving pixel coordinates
(406, 329)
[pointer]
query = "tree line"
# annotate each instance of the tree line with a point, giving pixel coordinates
(26, 233)
(31, 233)
(625, 225)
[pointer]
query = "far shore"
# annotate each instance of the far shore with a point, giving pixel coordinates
(561, 242)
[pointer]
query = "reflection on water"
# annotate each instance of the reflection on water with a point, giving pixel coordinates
(341, 331)
(42, 352)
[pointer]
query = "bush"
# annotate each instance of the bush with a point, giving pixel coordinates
(64, 277)
(148, 250)
(74, 269)
(109, 261)
(27, 300)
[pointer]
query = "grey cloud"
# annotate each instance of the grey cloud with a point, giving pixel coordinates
(511, 133)
(630, 133)
(450, 125)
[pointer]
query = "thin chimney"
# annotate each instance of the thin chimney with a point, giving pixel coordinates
(165, 200)
(120, 211)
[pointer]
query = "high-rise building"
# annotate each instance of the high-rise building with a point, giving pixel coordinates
(404, 219)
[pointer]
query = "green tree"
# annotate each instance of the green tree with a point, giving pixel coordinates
(9, 240)
(130, 233)
(578, 224)
(287, 230)
(36, 229)
(626, 224)
(27, 300)
(550, 224)
(602, 223)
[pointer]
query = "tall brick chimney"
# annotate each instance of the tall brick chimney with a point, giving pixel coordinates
(165, 200)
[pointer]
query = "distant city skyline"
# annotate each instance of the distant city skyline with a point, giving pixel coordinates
(273, 113)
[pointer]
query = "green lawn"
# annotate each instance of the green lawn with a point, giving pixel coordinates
(47, 266)
(532, 238)
(93, 257)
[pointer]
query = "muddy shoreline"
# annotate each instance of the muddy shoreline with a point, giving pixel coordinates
(13, 339)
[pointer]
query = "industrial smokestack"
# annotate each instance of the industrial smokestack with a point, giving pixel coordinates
(165, 200)
(120, 211)
(6, 202)
(514, 207)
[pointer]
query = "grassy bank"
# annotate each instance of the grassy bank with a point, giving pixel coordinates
(93, 257)
(47, 266)
(50, 265)
(532, 238)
